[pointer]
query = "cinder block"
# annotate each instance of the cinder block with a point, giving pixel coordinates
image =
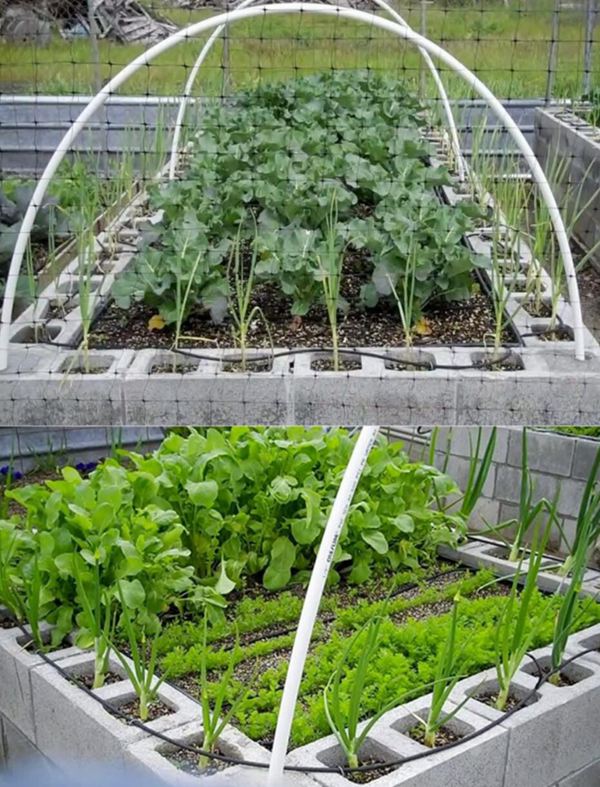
(549, 452)
(16, 664)
(588, 639)
(387, 741)
(551, 736)
(586, 777)
(464, 439)
(17, 751)
(585, 453)
(72, 726)
(149, 756)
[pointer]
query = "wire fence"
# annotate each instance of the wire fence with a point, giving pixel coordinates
(309, 192)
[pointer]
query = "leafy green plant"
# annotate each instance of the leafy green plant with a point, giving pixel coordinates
(254, 502)
(143, 650)
(264, 164)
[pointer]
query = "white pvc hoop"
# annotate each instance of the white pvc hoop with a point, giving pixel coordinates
(285, 8)
(187, 92)
(312, 600)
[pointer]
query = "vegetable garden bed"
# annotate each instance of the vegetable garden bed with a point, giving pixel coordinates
(191, 563)
(342, 244)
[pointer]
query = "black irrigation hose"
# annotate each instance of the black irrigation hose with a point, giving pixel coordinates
(303, 350)
(343, 770)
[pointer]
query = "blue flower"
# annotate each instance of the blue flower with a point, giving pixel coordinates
(17, 474)
(80, 466)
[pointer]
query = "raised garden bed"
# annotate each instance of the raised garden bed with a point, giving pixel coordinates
(419, 263)
(231, 521)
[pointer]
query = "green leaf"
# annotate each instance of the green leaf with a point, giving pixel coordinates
(133, 592)
(404, 523)
(224, 585)
(202, 493)
(375, 539)
(278, 572)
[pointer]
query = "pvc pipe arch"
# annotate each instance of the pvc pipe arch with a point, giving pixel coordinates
(285, 8)
(312, 600)
(189, 86)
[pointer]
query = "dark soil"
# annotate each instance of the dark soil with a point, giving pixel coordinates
(250, 365)
(369, 776)
(589, 289)
(563, 679)
(189, 762)
(180, 367)
(88, 680)
(489, 698)
(542, 309)
(507, 363)
(446, 323)
(156, 709)
(327, 365)
(7, 623)
(444, 736)
(560, 333)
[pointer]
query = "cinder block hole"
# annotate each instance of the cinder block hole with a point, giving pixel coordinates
(7, 621)
(248, 366)
(571, 674)
(559, 333)
(26, 642)
(180, 364)
(590, 643)
(35, 334)
(410, 361)
(487, 691)
(324, 362)
(188, 761)
(520, 283)
(68, 295)
(454, 730)
(500, 552)
(502, 360)
(93, 364)
(536, 307)
(83, 672)
(371, 753)
(129, 705)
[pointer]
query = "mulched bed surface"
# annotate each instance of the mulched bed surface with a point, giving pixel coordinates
(447, 323)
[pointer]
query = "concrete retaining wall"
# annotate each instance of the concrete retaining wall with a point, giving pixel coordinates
(562, 134)
(32, 126)
(555, 460)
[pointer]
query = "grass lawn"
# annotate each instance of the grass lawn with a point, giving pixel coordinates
(507, 47)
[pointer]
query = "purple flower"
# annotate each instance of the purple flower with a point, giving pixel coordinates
(4, 469)
(17, 475)
(91, 466)
(80, 466)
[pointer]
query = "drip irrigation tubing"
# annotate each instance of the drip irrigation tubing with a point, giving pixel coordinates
(543, 677)
(431, 367)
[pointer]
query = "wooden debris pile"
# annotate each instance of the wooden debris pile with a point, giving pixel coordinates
(125, 21)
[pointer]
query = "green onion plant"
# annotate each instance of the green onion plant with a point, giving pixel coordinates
(330, 263)
(517, 628)
(144, 659)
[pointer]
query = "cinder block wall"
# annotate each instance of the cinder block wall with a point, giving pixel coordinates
(17, 751)
(555, 460)
(579, 152)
